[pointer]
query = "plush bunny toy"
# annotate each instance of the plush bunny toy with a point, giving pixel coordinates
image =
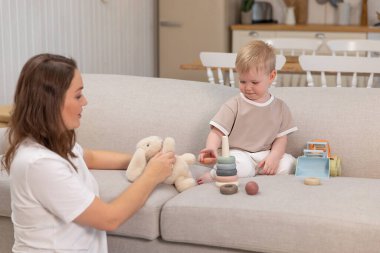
(146, 148)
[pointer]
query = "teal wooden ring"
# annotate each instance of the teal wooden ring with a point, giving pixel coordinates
(226, 166)
(228, 189)
(226, 159)
(226, 172)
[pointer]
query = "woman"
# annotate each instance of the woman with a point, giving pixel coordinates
(55, 203)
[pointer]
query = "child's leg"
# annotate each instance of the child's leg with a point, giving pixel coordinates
(244, 164)
(286, 166)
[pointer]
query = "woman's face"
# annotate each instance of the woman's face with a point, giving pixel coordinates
(73, 103)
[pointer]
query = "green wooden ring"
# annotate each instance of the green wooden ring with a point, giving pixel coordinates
(226, 159)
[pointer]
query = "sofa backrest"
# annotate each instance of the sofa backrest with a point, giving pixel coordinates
(124, 109)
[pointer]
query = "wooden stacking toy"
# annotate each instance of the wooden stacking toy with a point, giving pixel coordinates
(226, 173)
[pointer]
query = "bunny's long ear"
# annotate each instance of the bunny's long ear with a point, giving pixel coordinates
(168, 145)
(136, 165)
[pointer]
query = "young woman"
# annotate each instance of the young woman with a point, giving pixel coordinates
(55, 203)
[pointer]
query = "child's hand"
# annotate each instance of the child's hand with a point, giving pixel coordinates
(269, 165)
(207, 156)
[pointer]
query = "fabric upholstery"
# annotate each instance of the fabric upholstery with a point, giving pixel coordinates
(341, 215)
(6, 234)
(132, 108)
(119, 244)
(144, 224)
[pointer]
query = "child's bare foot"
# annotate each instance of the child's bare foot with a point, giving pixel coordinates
(205, 178)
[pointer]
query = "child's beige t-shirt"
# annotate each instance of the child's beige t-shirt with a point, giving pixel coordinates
(253, 126)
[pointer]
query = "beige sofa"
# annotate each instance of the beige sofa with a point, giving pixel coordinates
(341, 215)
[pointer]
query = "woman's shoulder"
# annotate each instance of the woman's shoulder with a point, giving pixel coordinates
(31, 149)
(30, 152)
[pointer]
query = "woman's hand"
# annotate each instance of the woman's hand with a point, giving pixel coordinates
(160, 166)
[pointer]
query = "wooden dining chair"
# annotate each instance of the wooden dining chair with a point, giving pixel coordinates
(357, 48)
(295, 46)
(226, 62)
(339, 64)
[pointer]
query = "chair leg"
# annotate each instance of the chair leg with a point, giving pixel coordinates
(370, 81)
(220, 76)
(323, 79)
(309, 79)
(210, 76)
(338, 80)
(354, 80)
(231, 77)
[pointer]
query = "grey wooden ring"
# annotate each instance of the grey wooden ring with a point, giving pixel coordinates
(226, 166)
(228, 189)
(226, 172)
(226, 159)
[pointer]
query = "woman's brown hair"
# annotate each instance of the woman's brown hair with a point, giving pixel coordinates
(38, 102)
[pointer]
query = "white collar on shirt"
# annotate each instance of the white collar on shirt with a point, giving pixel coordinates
(270, 100)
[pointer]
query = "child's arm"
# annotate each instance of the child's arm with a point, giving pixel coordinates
(271, 162)
(208, 155)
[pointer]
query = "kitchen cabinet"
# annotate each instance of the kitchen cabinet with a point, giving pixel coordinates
(188, 27)
(243, 35)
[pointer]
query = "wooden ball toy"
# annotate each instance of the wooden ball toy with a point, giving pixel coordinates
(252, 188)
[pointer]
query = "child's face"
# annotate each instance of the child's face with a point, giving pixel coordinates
(255, 84)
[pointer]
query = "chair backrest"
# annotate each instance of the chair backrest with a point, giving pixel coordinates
(226, 61)
(296, 46)
(339, 64)
(356, 47)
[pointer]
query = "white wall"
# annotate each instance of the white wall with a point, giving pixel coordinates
(112, 36)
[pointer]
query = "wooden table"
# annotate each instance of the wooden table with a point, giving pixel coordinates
(291, 65)
(5, 114)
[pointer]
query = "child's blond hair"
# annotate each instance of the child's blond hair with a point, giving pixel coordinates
(256, 54)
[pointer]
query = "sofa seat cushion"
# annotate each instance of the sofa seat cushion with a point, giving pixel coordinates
(341, 215)
(145, 223)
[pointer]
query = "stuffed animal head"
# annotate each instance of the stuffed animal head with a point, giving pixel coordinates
(151, 145)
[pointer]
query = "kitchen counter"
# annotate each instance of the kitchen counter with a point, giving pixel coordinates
(308, 28)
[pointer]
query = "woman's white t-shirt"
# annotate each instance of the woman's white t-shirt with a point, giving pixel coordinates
(47, 194)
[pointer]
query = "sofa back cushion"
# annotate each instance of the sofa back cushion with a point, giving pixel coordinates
(124, 109)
